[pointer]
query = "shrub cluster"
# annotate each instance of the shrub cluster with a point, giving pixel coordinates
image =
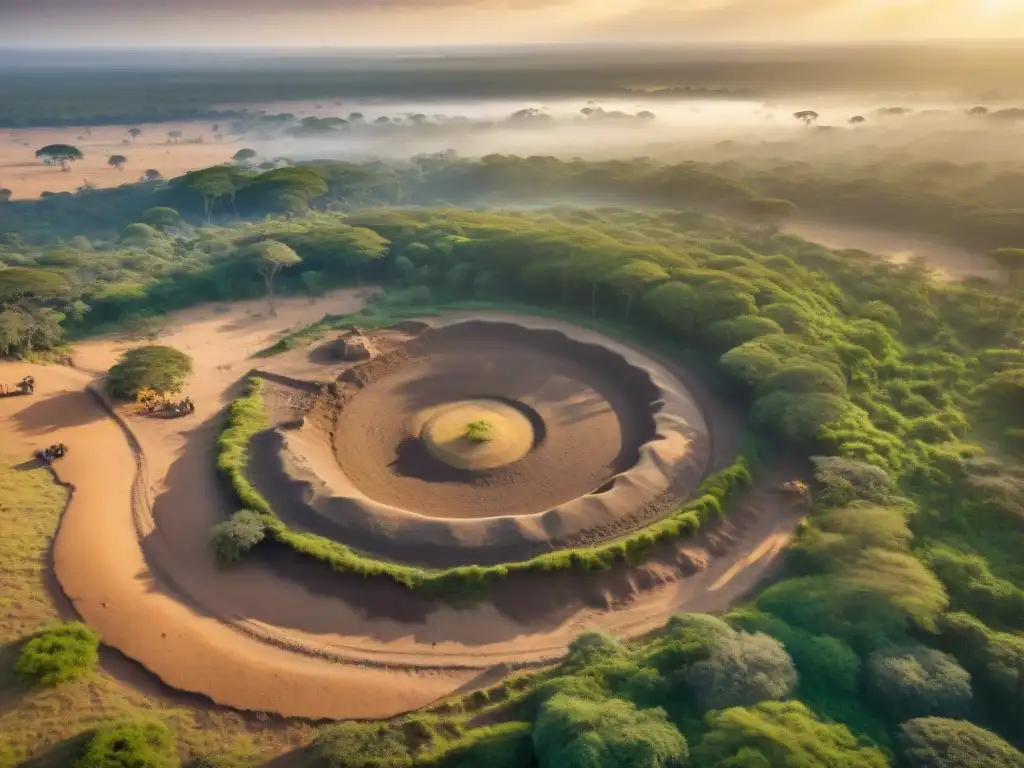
(59, 653)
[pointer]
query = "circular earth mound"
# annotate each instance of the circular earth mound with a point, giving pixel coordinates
(479, 442)
(477, 434)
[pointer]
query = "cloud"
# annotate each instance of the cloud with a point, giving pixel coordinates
(28, 9)
(695, 18)
(814, 19)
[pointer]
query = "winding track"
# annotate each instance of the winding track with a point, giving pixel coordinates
(246, 638)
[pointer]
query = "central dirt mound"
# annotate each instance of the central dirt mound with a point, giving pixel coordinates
(575, 439)
(477, 435)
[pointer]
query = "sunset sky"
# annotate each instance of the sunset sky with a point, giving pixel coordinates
(424, 22)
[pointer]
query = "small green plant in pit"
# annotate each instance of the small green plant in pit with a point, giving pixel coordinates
(59, 653)
(478, 431)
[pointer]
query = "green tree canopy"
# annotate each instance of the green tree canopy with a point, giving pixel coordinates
(574, 732)
(59, 154)
(270, 257)
(161, 217)
(156, 367)
(918, 682)
(25, 283)
(117, 161)
(936, 742)
(742, 669)
(780, 734)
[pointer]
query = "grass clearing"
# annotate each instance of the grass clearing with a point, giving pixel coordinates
(49, 725)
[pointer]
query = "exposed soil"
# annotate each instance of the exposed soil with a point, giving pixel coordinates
(27, 177)
(596, 414)
(277, 634)
(620, 440)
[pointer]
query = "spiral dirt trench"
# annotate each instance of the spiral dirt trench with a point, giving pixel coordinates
(260, 636)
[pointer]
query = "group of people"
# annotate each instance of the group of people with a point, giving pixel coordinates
(24, 387)
(180, 408)
(184, 407)
(55, 451)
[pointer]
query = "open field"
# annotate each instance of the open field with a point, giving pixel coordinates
(27, 177)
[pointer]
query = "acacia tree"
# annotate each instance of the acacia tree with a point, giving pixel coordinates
(212, 190)
(59, 154)
(270, 257)
(174, 135)
(155, 367)
(857, 120)
(808, 116)
(134, 133)
(243, 156)
(5, 194)
(152, 175)
(117, 161)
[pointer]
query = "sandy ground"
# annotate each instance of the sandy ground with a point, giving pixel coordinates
(134, 561)
(949, 261)
(27, 177)
(622, 440)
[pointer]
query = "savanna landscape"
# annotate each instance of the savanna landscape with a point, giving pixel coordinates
(568, 407)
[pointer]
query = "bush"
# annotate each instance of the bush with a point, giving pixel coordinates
(935, 742)
(805, 378)
(780, 734)
(583, 733)
(130, 744)
(478, 431)
(742, 669)
(155, 367)
(919, 682)
(844, 481)
(233, 538)
(60, 653)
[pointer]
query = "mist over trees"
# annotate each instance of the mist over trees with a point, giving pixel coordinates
(893, 632)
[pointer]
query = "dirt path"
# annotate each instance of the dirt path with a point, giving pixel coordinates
(949, 261)
(248, 638)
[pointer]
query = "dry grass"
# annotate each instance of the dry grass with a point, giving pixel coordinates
(46, 724)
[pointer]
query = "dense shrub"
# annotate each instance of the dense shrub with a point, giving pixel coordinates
(742, 669)
(572, 732)
(935, 742)
(777, 734)
(918, 682)
(130, 744)
(233, 538)
(843, 481)
(160, 368)
(60, 653)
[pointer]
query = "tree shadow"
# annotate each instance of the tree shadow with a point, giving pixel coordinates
(301, 757)
(63, 411)
(62, 754)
